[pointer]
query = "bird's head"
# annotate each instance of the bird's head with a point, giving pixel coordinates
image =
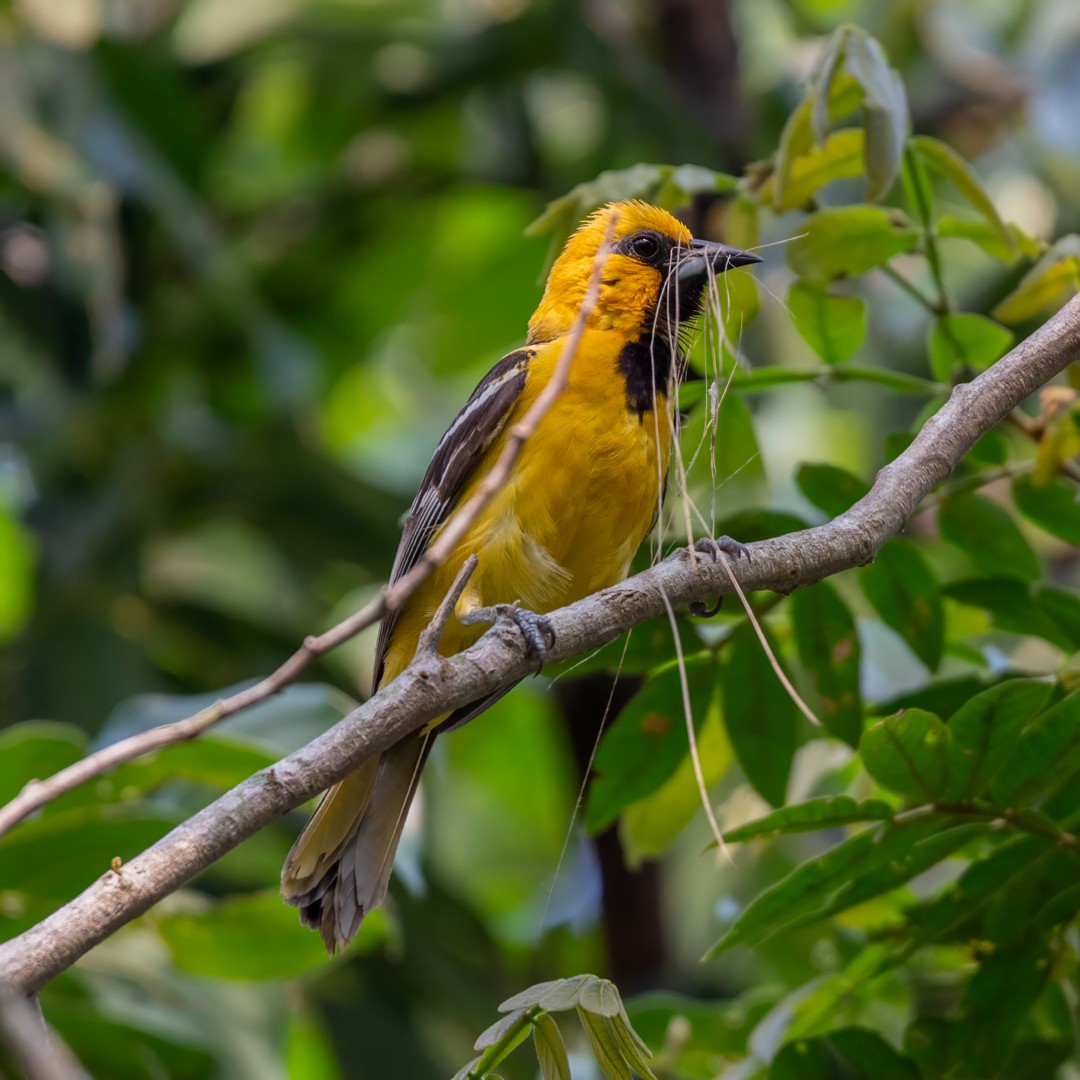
(656, 273)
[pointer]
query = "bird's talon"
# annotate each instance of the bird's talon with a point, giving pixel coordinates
(722, 545)
(536, 630)
(703, 611)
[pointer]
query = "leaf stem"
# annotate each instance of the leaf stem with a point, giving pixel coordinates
(912, 290)
(919, 191)
(1025, 820)
(495, 1053)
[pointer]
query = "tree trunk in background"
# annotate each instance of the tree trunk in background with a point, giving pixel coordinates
(633, 916)
(700, 52)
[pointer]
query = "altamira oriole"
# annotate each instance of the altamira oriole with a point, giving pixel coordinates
(583, 494)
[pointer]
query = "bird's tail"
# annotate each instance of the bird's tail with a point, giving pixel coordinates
(339, 867)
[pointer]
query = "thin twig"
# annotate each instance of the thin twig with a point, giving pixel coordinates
(38, 792)
(427, 644)
(781, 564)
(912, 290)
(37, 1051)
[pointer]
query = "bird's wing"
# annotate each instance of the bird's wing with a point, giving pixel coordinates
(473, 431)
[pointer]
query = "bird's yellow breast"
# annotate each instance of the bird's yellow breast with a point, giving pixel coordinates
(584, 492)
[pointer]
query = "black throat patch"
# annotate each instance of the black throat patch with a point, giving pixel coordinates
(645, 365)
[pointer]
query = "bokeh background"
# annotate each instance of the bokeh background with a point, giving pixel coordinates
(253, 256)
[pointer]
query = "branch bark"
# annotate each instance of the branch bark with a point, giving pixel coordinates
(428, 689)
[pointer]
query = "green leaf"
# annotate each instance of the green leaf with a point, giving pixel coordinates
(749, 526)
(908, 753)
(648, 740)
(741, 228)
(632, 1047)
(1012, 607)
(1063, 610)
(943, 696)
(976, 888)
(828, 646)
(1045, 754)
(885, 112)
(216, 761)
(833, 326)
(985, 531)
(309, 1054)
(902, 589)
(550, 1049)
(906, 863)
(686, 182)
(561, 995)
(839, 157)
(17, 560)
(828, 487)
(712, 1027)
(959, 342)
(605, 1046)
(847, 1054)
(1035, 1059)
(929, 1041)
(811, 888)
(1047, 286)
(494, 1034)
(670, 186)
(946, 162)
(991, 449)
(498, 1042)
(54, 858)
(599, 997)
(35, 750)
(809, 1059)
(997, 1001)
(1054, 506)
(987, 237)
(1059, 909)
(761, 719)
(249, 937)
(824, 813)
(648, 827)
(983, 733)
(827, 78)
(848, 241)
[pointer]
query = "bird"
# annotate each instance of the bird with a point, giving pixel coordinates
(584, 492)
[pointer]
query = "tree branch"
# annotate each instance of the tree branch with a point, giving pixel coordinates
(427, 690)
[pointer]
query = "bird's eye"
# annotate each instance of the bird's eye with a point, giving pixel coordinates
(645, 246)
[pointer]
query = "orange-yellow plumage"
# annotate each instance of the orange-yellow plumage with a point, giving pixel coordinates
(581, 498)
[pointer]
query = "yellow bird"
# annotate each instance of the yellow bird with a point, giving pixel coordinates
(583, 494)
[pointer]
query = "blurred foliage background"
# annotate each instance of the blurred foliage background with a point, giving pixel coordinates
(253, 257)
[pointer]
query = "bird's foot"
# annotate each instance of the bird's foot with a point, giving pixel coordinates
(721, 545)
(536, 630)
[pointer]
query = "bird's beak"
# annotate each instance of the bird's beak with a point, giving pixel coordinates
(704, 256)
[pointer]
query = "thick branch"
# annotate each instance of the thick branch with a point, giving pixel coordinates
(427, 690)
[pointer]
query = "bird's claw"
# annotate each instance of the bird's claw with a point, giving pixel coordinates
(722, 545)
(536, 630)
